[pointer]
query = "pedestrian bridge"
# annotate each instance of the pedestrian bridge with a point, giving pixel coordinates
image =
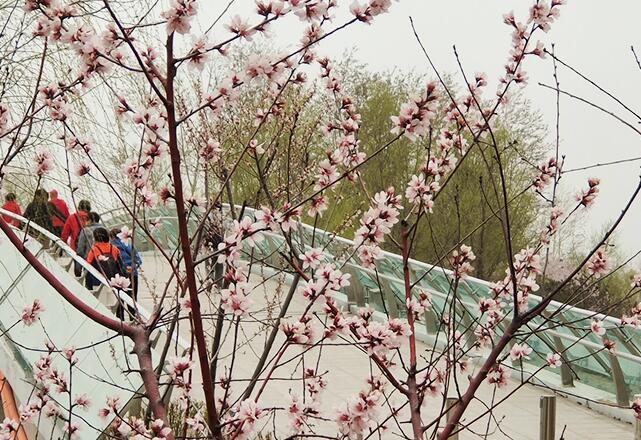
(603, 380)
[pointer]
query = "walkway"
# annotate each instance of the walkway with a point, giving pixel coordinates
(347, 368)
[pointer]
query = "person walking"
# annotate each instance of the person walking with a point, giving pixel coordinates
(59, 212)
(37, 212)
(11, 205)
(131, 261)
(105, 258)
(85, 238)
(74, 224)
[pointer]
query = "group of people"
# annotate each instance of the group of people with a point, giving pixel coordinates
(84, 233)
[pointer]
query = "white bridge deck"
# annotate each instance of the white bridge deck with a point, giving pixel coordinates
(347, 369)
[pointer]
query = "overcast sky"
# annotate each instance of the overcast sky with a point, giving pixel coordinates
(592, 36)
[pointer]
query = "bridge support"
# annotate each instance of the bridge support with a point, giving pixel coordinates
(547, 421)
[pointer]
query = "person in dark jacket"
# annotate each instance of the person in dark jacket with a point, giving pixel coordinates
(38, 212)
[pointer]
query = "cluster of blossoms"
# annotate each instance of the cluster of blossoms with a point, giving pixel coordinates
(327, 281)
(378, 338)
(132, 427)
(552, 227)
(597, 328)
(347, 153)
(376, 223)
(361, 413)
(542, 15)
(416, 115)
(49, 379)
(634, 319)
(180, 15)
(547, 170)
(9, 429)
(498, 375)
(527, 266)
(245, 230)
(586, 198)
(431, 382)
(210, 152)
(492, 314)
(461, 261)
(179, 370)
(418, 305)
(300, 411)
(43, 163)
(241, 423)
(598, 264)
(235, 299)
(135, 428)
(520, 351)
(31, 313)
(366, 11)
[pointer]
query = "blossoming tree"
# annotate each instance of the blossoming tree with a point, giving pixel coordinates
(136, 59)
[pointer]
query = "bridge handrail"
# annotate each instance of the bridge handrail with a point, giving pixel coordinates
(144, 313)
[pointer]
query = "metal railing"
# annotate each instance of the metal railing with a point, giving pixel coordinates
(617, 373)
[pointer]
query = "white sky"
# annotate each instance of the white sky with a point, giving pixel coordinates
(592, 36)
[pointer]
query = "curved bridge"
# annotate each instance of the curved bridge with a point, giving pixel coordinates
(104, 368)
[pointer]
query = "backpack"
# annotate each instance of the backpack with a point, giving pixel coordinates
(106, 264)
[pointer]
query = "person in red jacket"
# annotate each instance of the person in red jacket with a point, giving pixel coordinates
(74, 224)
(59, 212)
(11, 205)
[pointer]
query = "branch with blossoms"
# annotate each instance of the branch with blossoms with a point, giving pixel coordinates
(276, 284)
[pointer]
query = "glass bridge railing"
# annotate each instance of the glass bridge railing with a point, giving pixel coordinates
(104, 357)
(618, 374)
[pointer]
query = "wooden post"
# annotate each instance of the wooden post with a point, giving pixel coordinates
(547, 421)
(637, 422)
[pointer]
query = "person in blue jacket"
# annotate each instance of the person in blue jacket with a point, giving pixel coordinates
(130, 260)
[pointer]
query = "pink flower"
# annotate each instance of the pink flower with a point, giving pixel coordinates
(69, 354)
(636, 407)
(461, 260)
(598, 264)
(318, 206)
(211, 151)
(177, 366)
(30, 313)
(311, 258)
(520, 351)
(554, 360)
(180, 15)
(120, 283)
(113, 406)
(234, 299)
(586, 198)
(82, 169)
(72, 429)
(240, 27)
(298, 332)
(147, 197)
(597, 327)
(498, 376)
(82, 401)
(43, 163)
(416, 115)
(124, 234)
